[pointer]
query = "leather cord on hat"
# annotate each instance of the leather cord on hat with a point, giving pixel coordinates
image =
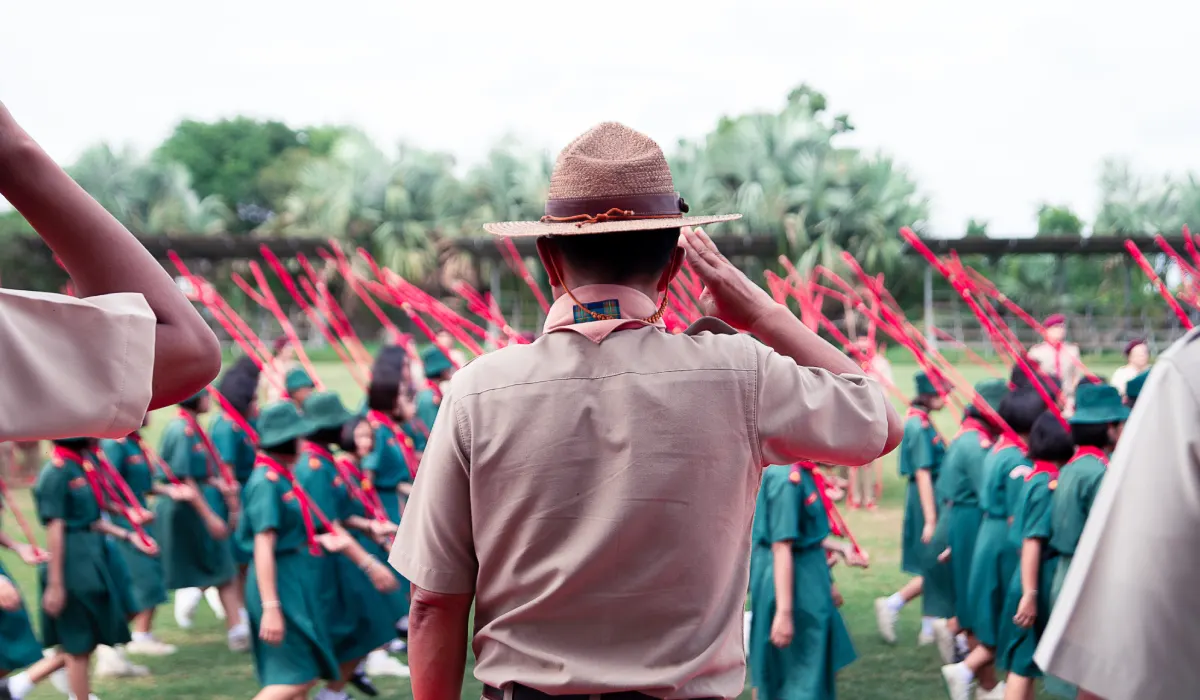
(652, 318)
(613, 214)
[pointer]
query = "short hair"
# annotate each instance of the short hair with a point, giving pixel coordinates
(346, 439)
(620, 257)
(923, 401)
(291, 448)
(1021, 408)
(1049, 439)
(386, 375)
(76, 444)
(192, 403)
(1091, 434)
(239, 384)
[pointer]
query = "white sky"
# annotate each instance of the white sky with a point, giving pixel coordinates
(994, 110)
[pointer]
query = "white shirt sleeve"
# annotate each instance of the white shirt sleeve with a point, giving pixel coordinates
(74, 367)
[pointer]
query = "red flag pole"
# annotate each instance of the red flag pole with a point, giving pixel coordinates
(1158, 284)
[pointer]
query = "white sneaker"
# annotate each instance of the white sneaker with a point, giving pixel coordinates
(186, 602)
(58, 679)
(397, 646)
(239, 639)
(402, 625)
(956, 683)
(944, 639)
(746, 619)
(91, 696)
(886, 619)
(924, 638)
(379, 663)
(112, 663)
(149, 647)
(996, 693)
(327, 694)
(213, 596)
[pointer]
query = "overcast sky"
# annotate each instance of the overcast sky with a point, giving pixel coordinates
(994, 108)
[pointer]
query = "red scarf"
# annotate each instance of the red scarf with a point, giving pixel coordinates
(214, 457)
(1005, 442)
(1043, 467)
(406, 444)
(837, 525)
(308, 509)
(1089, 451)
(350, 476)
(974, 425)
(153, 458)
(369, 497)
(61, 455)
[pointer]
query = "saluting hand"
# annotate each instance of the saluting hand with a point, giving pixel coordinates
(270, 630)
(10, 600)
(728, 292)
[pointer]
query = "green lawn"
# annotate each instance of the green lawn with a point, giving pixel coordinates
(204, 669)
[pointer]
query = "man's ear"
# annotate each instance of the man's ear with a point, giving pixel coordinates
(677, 258)
(548, 254)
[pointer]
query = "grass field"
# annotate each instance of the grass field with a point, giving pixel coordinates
(205, 669)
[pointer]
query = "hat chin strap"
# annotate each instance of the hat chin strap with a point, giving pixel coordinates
(651, 319)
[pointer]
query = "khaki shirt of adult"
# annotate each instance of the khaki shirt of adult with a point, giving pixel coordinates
(74, 367)
(1127, 622)
(597, 499)
(1062, 363)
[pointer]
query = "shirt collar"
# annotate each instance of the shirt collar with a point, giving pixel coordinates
(633, 306)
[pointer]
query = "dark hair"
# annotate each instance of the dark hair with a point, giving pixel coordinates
(327, 436)
(619, 257)
(1049, 440)
(1021, 408)
(239, 384)
(77, 444)
(1091, 435)
(289, 449)
(924, 401)
(346, 439)
(1131, 401)
(192, 403)
(1098, 379)
(386, 375)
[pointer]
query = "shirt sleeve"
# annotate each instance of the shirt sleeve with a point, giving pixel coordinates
(783, 510)
(227, 442)
(922, 449)
(805, 413)
(98, 351)
(435, 546)
(262, 506)
(51, 494)
(1037, 513)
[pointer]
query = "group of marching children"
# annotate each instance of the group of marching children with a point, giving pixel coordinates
(281, 516)
(992, 519)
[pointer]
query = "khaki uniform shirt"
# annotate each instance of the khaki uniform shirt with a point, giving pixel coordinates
(1062, 362)
(1127, 622)
(595, 490)
(74, 367)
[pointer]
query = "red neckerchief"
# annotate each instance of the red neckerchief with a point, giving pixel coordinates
(307, 508)
(61, 455)
(152, 457)
(1005, 442)
(124, 501)
(213, 456)
(1089, 451)
(1043, 467)
(914, 412)
(1057, 348)
(837, 525)
(319, 450)
(233, 417)
(351, 476)
(436, 389)
(361, 487)
(406, 444)
(974, 425)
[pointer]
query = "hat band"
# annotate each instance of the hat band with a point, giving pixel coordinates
(592, 210)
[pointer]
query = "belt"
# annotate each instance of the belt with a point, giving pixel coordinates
(521, 692)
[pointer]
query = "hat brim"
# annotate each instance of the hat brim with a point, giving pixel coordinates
(337, 420)
(1113, 414)
(301, 428)
(520, 229)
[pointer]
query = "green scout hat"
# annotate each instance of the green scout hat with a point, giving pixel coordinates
(1098, 403)
(297, 379)
(324, 409)
(280, 423)
(435, 361)
(925, 384)
(1134, 388)
(992, 391)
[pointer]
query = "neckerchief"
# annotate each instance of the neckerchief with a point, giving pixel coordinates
(152, 457)
(405, 442)
(1043, 467)
(213, 456)
(1089, 451)
(112, 481)
(974, 425)
(837, 525)
(61, 455)
(307, 507)
(1005, 442)
(361, 487)
(436, 388)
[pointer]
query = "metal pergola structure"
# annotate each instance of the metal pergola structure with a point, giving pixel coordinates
(197, 246)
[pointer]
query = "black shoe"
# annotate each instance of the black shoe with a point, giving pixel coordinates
(4, 692)
(359, 680)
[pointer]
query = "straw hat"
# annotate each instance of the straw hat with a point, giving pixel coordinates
(610, 179)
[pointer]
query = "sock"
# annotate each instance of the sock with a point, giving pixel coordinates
(239, 630)
(244, 616)
(895, 602)
(966, 672)
(142, 637)
(927, 626)
(19, 685)
(961, 642)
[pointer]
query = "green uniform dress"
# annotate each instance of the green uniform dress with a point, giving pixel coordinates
(192, 558)
(18, 645)
(958, 490)
(386, 466)
(306, 652)
(1077, 487)
(426, 412)
(792, 511)
(147, 588)
(995, 558)
(921, 448)
(356, 621)
(93, 613)
(237, 451)
(1031, 520)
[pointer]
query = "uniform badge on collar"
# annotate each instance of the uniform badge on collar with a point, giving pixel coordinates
(76, 483)
(289, 496)
(337, 481)
(198, 447)
(812, 498)
(272, 476)
(314, 462)
(135, 459)
(188, 431)
(985, 443)
(1053, 484)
